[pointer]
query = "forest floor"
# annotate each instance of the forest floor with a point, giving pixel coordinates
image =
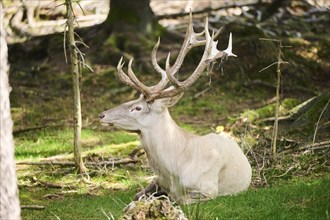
(233, 97)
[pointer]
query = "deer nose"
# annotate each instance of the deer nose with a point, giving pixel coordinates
(101, 116)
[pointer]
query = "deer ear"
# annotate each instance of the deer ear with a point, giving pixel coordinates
(169, 102)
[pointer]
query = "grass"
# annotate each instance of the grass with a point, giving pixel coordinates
(110, 190)
(295, 200)
(49, 142)
(299, 199)
(79, 206)
(43, 99)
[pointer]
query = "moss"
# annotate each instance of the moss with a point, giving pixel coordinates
(153, 208)
(314, 112)
(323, 50)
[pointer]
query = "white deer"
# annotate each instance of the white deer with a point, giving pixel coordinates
(189, 167)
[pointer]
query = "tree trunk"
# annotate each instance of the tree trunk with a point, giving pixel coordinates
(9, 203)
(75, 71)
(131, 15)
(273, 8)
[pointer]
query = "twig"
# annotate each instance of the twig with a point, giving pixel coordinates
(279, 62)
(278, 86)
(286, 172)
(64, 43)
(35, 207)
(318, 121)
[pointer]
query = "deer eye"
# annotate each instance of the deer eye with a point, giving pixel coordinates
(138, 108)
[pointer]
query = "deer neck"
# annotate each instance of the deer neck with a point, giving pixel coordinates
(164, 139)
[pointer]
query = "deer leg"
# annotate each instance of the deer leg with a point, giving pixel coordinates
(152, 189)
(193, 197)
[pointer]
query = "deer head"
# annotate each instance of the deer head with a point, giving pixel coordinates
(156, 99)
(137, 114)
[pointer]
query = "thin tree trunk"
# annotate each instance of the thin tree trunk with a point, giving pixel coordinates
(9, 203)
(75, 71)
(277, 108)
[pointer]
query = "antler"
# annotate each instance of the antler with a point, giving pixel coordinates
(191, 40)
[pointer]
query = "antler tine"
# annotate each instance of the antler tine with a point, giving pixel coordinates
(189, 42)
(122, 76)
(210, 54)
(228, 51)
(154, 59)
(135, 80)
(127, 80)
(163, 82)
(199, 69)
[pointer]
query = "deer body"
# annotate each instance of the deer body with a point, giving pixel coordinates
(189, 167)
(192, 167)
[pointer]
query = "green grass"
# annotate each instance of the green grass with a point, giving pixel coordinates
(78, 206)
(295, 200)
(299, 199)
(46, 142)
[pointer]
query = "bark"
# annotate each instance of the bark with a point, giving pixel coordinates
(277, 109)
(9, 203)
(75, 71)
(273, 8)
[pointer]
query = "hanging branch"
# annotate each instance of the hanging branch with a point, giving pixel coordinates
(278, 86)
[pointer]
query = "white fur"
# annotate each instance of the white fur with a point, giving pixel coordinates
(188, 167)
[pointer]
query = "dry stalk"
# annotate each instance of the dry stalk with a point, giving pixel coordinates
(278, 86)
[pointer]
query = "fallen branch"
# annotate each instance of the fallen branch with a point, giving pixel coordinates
(35, 207)
(136, 152)
(35, 128)
(309, 147)
(205, 10)
(69, 163)
(316, 146)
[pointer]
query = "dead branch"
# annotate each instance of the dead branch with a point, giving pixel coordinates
(316, 146)
(69, 163)
(286, 172)
(205, 10)
(309, 147)
(35, 128)
(53, 196)
(51, 185)
(136, 152)
(35, 207)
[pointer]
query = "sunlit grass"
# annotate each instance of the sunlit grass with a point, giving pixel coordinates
(44, 143)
